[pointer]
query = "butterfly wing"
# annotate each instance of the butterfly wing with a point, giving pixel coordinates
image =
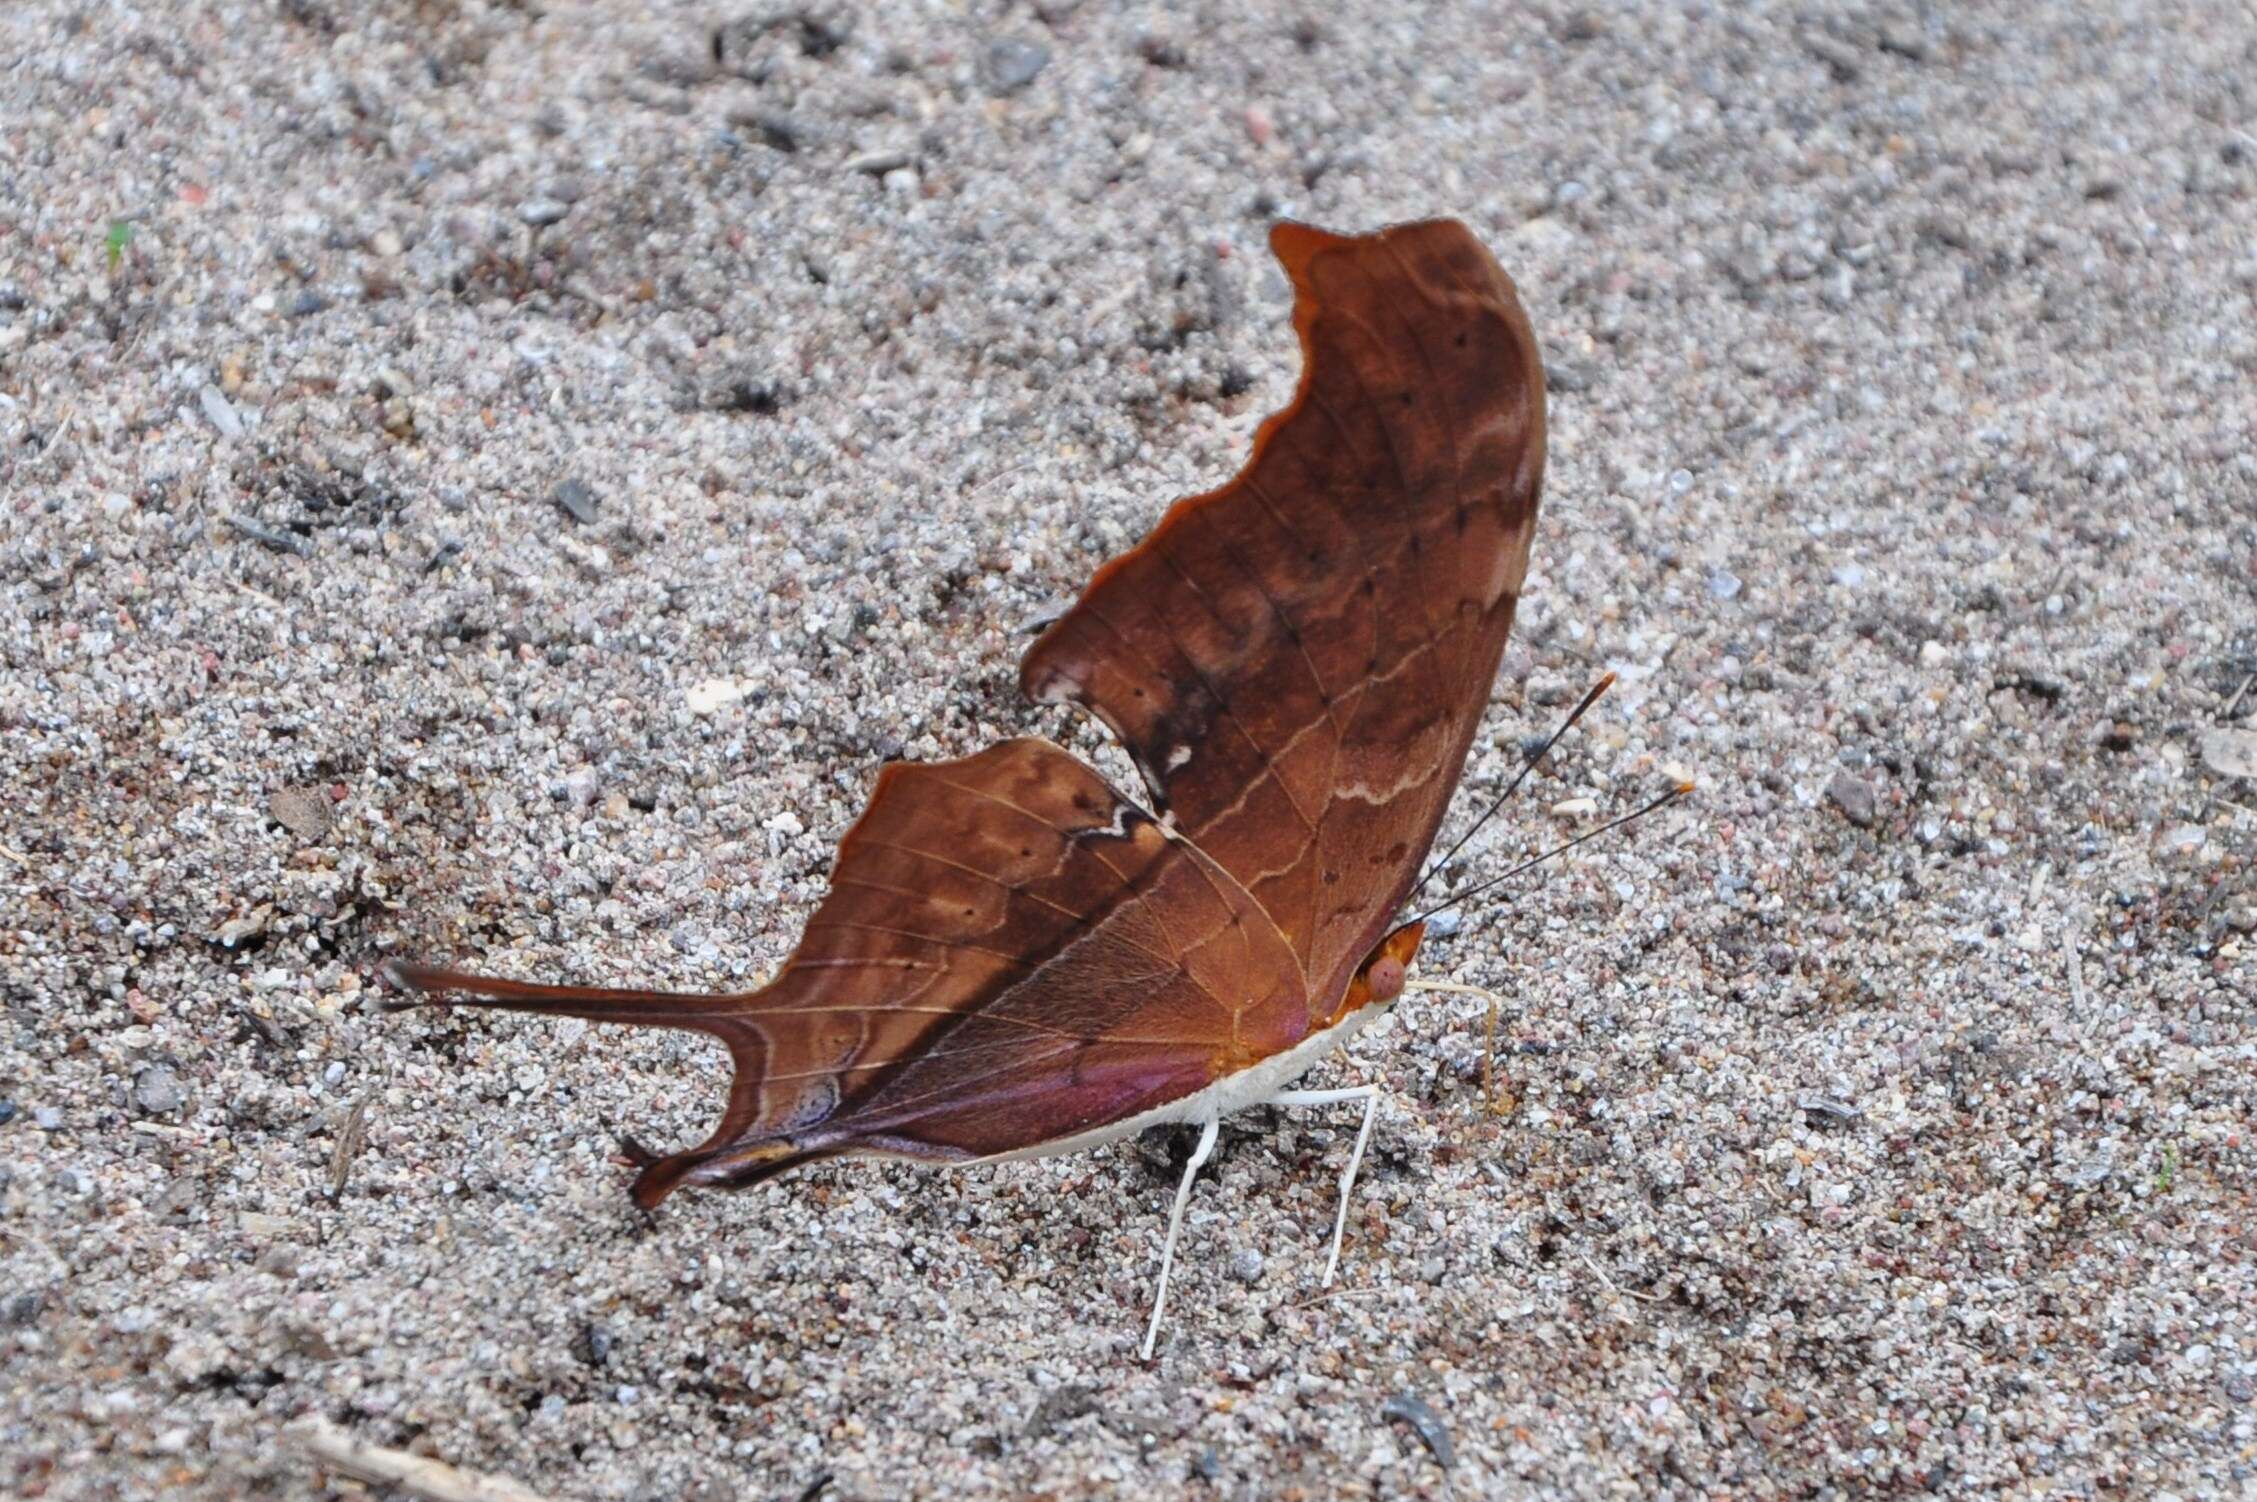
(1298, 661)
(1011, 953)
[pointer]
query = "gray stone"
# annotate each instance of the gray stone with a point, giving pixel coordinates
(1425, 1423)
(1854, 798)
(879, 163)
(1013, 62)
(1569, 375)
(219, 412)
(577, 499)
(158, 1091)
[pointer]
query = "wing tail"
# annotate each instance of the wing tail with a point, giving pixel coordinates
(437, 984)
(754, 1148)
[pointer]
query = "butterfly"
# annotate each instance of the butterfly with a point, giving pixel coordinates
(1016, 958)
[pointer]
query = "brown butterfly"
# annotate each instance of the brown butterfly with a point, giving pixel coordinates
(1016, 959)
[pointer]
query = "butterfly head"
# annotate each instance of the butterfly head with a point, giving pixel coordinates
(1381, 978)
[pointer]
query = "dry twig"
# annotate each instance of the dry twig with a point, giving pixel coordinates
(417, 1475)
(350, 1138)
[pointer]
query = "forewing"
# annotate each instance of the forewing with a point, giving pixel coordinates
(1298, 661)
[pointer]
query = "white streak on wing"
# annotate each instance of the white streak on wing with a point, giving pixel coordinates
(1417, 651)
(1118, 829)
(1364, 793)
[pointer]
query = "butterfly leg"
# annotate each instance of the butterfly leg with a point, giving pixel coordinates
(1489, 1038)
(1369, 1095)
(1175, 1224)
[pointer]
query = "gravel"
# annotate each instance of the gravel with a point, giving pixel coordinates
(1903, 441)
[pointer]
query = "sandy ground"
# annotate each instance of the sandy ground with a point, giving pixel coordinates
(494, 479)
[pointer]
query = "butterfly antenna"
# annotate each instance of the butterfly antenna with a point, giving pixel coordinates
(1675, 793)
(1526, 767)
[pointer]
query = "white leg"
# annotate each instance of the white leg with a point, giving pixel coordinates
(1369, 1095)
(1175, 1224)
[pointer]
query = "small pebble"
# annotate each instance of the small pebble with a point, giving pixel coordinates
(1013, 63)
(1854, 798)
(577, 499)
(1829, 1110)
(219, 411)
(305, 812)
(2230, 751)
(2185, 839)
(740, 388)
(2093, 1171)
(1246, 1266)
(1569, 376)
(1424, 1422)
(879, 163)
(157, 1090)
(1547, 688)
(777, 132)
(540, 212)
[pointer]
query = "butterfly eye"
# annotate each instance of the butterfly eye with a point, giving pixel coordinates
(1386, 978)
